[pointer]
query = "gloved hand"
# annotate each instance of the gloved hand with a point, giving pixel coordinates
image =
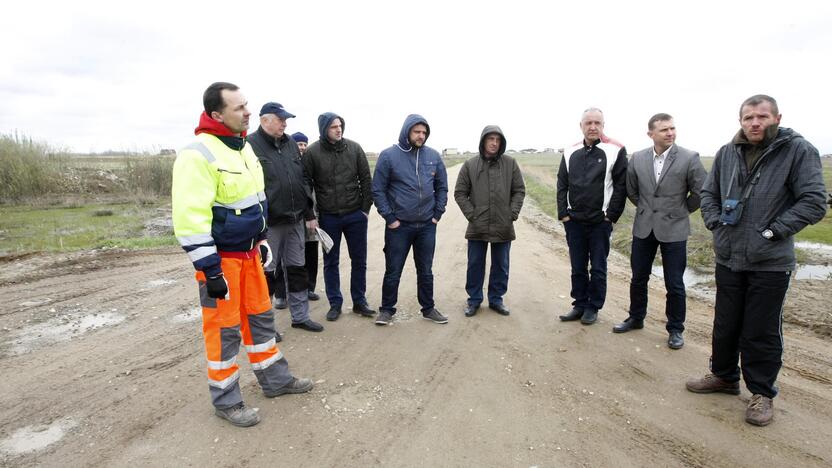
(265, 252)
(217, 287)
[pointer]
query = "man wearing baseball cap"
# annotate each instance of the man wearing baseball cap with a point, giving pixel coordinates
(290, 205)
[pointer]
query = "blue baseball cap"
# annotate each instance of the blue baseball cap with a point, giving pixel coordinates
(277, 109)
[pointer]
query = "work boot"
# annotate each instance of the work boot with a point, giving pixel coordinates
(434, 316)
(312, 295)
(334, 313)
(712, 384)
(675, 340)
(760, 411)
(239, 415)
(575, 314)
(280, 303)
(295, 386)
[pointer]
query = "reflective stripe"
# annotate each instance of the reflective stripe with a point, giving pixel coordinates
(201, 148)
(261, 196)
(259, 348)
(222, 384)
(195, 239)
(246, 202)
(202, 252)
(220, 365)
(266, 363)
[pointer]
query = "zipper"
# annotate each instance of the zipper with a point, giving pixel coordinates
(418, 178)
(262, 217)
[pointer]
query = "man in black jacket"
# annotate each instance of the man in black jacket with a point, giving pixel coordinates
(764, 187)
(592, 190)
(290, 203)
(337, 170)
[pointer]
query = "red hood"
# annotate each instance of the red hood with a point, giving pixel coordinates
(211, 126)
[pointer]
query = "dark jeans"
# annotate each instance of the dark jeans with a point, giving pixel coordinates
(310, 253)
(674, 261)
(748, 326)
(589, 244)
(497, 277)
(397, 243)
(354, 228)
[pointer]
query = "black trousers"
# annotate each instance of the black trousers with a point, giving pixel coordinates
(311, 254)
(748, 327)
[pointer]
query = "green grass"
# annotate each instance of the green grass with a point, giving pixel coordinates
(27, 229)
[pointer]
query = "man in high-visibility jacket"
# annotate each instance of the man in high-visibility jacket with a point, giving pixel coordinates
(219, 218)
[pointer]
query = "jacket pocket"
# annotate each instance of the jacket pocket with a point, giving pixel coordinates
(762, 250)
(722, 242)
(232, 186)
(479, 211)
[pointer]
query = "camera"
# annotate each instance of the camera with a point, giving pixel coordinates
(731, 212)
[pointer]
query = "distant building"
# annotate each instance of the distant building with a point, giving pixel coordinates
(450, 152)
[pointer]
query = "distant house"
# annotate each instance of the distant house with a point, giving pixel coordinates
(450, 152)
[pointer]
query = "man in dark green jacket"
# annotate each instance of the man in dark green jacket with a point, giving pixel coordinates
(490, 192)
(337, 170)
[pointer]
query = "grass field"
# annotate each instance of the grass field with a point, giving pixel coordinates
(26, 229)
(540, 172)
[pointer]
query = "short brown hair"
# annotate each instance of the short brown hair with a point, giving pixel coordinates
(212, 97)
(660, 117)
(758, 99)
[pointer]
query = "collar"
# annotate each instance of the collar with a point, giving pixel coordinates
(213, 127)
(664, 154)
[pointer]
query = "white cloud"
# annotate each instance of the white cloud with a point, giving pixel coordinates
(95, 75)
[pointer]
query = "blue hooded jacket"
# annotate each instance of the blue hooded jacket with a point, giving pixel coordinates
(410, 184)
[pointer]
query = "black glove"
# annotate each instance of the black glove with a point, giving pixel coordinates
(217, 287)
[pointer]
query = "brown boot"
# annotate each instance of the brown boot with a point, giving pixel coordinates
(712, 384)
(760, 411)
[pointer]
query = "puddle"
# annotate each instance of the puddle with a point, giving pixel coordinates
(825, 248)
(691, 277)
(160, 282)
(818, 272)
(61, 329)
(188, 316)
(34, 438)
(38, 302)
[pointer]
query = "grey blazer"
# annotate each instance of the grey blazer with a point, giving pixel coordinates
(664, 207)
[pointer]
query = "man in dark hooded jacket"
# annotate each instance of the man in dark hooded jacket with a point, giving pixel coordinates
(338, 172)
(490, 192)
(410, 190)
(765, 186)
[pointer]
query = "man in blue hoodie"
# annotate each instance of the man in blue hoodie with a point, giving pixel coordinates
(410, 190)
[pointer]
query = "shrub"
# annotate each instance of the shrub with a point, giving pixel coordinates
(150, 175)
(28, 168)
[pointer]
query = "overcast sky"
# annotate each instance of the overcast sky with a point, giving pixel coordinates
(93, 76)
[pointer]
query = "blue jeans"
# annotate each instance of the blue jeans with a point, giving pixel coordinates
(674, 261)
(354, 227)
(397, 243)
(589, 244)
(497, 277)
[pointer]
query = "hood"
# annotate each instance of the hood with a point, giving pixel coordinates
(213, 127)
(489, 129)
(410, 122)
(325, 120)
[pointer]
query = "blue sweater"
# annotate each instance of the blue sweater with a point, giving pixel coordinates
(410, 184)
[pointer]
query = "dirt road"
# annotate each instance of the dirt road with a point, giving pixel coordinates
(102, 364)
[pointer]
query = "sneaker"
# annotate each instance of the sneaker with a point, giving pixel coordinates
(434, 316)
(384, 318)
(363, 310)
(760, 411)
(334, 313)
(712, 384)
(295, 386)
(239, 415)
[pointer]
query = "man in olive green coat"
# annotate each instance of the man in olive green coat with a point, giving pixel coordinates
(490, 192)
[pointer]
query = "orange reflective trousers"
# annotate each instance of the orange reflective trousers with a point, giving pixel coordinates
(247, 312)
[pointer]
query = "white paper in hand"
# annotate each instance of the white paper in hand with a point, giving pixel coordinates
(326, 241)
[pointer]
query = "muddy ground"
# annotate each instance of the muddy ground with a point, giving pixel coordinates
(102, 364)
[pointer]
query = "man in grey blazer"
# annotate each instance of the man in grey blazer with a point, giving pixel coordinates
(663, 182)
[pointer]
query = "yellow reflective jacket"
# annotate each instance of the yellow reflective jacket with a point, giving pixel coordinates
(218, 201)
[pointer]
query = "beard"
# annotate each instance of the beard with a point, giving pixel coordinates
(417, 144)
